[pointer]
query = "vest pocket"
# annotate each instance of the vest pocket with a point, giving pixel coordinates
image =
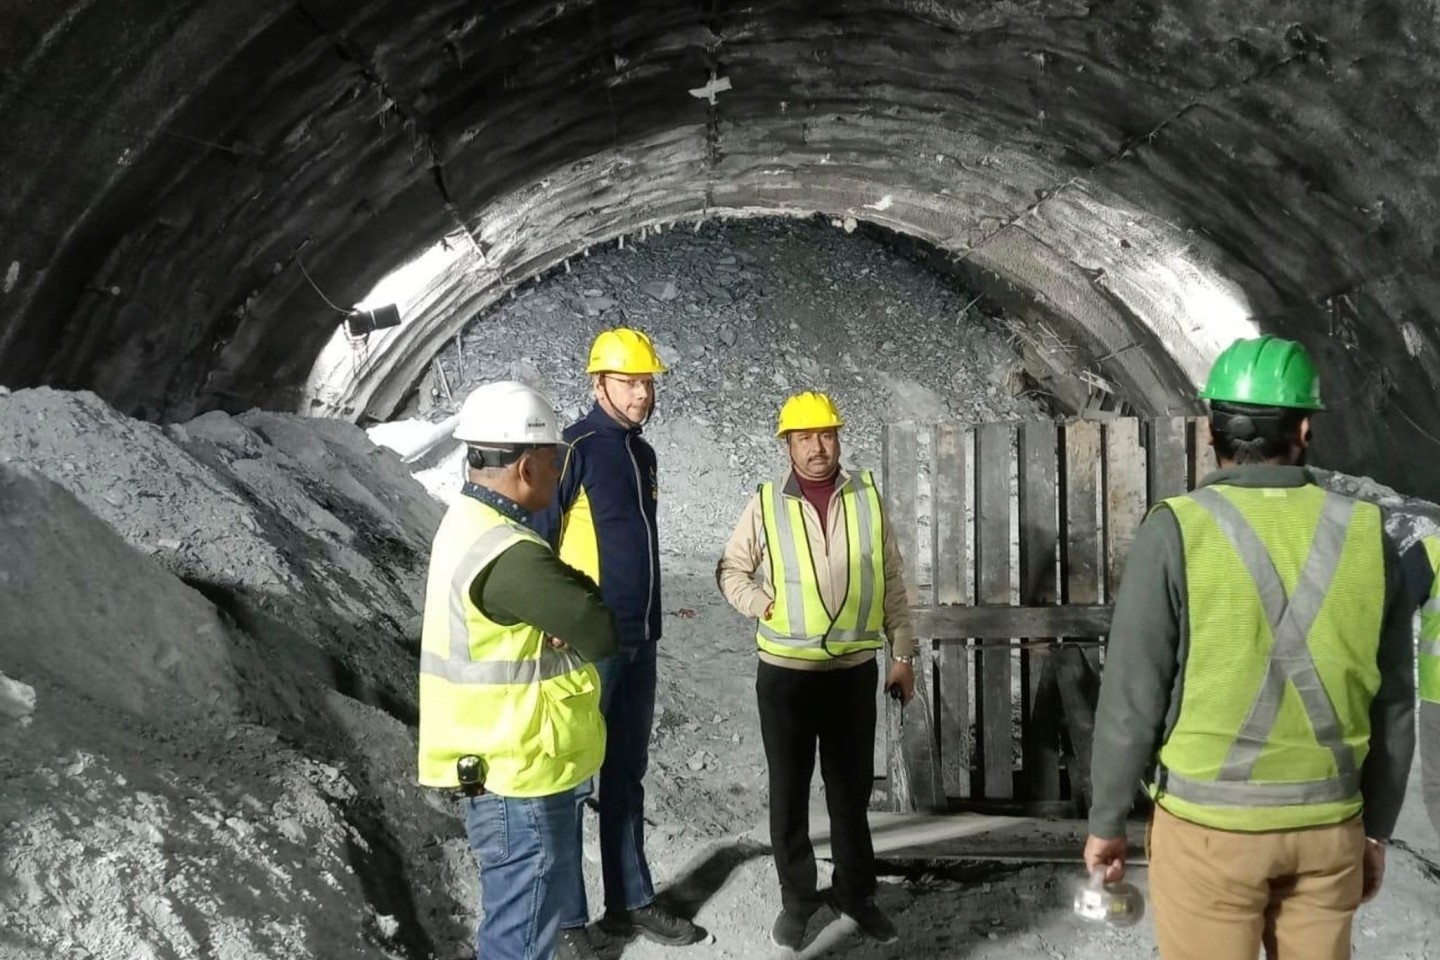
(570, 712)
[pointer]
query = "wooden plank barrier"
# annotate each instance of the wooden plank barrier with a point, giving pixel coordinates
(1006, 685)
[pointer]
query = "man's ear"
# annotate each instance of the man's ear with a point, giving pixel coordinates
(1305, 433)
(525, 469)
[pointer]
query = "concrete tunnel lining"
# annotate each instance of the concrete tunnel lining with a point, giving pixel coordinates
(1113, 297)
(1290, 146)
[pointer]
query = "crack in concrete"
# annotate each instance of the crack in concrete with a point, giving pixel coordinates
(1128, 149)
(1430, 868)
(369, 68)
(714, 152)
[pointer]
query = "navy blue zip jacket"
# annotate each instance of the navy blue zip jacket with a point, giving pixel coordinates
(602, 522)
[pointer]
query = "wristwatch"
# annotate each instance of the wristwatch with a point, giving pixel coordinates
(909, 661)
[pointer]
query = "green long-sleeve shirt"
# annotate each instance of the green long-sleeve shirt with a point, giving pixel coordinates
(1419, 577)
(1145, 671)
(529, 584)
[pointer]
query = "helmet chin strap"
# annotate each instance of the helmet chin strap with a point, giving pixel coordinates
(619, 414)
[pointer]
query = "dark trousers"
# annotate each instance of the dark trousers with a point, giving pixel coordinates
(836, 709)
(627, 698)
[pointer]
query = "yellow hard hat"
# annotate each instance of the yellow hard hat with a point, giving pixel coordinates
(623, 350)
(808, 411)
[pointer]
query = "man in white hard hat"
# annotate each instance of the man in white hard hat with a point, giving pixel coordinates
(509, 696)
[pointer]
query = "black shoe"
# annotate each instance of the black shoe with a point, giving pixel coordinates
(653, 922)
(873, 922)
(574, 944)
(789, 930)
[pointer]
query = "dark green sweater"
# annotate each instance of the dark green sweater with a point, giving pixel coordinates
(1420, 576)
(529, 584)
(1145, 671)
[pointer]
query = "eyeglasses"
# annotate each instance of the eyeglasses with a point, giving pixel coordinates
(634, 386)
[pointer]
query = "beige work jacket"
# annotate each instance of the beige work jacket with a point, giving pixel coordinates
(745, 557)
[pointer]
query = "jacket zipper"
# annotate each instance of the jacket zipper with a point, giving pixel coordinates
(649, 541)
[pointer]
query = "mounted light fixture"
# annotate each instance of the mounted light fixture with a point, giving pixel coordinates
(360, 323)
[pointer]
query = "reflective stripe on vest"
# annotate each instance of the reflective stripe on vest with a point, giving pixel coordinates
(500, 692)
(1429, 649)
(1291, 619)
(552, 663)
(800, 626)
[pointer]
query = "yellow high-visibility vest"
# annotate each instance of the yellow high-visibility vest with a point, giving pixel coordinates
(1429, 652)
(1274, 719)
(502, 693)
(799, 625)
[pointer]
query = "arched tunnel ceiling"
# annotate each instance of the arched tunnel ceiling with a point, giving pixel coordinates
(164, 162)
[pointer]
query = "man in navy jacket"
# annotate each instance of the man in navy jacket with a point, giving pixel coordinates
(603, 524)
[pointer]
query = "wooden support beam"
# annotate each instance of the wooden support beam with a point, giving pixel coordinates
(992, 573)
(1039, 559)
(1005, 621)
(1124, 474)
(1081, 491)
(1079, 692)
(1168, 459)
(1080, 555)
(952, 658)
(912, 750)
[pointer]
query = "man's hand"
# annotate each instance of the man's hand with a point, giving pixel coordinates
(1374, 864)
(769, 610)
(904, 675)
(557, 643)
(1109, 854)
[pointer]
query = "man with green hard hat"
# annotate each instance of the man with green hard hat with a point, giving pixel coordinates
(1259, 680)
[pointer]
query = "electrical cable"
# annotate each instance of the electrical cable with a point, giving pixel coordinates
(317, 289)
(1411, 420)
(53, 101)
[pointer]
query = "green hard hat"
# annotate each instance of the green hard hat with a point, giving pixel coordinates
(1266, 372)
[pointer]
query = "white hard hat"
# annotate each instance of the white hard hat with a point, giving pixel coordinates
(507, 413)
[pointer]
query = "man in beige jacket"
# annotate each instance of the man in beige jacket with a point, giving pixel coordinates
(833, 589)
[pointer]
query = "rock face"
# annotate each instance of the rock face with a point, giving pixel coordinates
(1141, 175)
(289, 525)
(208, 646)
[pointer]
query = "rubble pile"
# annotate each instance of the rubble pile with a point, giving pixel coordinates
(746, 313)
(207, 656)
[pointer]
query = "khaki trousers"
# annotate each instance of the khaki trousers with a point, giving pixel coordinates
(1220, 895)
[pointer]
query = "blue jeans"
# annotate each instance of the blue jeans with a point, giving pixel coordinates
(528, 858)
(627, 698)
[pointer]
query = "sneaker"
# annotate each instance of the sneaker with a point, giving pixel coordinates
(574, 944)
(873, 923)
(789, 930)
(653, 922)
